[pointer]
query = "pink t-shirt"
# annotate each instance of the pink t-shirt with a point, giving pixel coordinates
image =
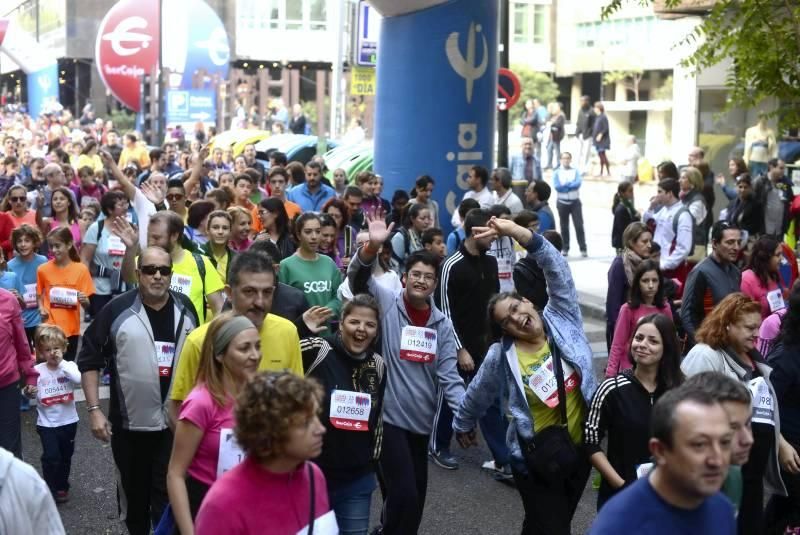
(200, 409)
(250, 499)
(618, 358)
(752, 287)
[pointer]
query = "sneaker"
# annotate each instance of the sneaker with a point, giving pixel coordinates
(62, 496)
(443, 459)
(565, 253)
(584, 254)
(499, 473)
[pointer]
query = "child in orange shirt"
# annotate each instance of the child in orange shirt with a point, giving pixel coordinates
(62, 284)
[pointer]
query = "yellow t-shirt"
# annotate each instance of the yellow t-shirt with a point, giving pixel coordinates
(186, 280)
(222, 265)
(544, 416)
(280, 350)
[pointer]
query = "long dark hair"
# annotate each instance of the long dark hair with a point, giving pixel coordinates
(760, 258)
(636, 300)
(618, 196)
(411, 211)
(669, 367)
(275, 206)
(790, 325)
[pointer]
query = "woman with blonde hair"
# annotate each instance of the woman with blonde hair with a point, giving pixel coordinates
(726, 344)
(204, 447)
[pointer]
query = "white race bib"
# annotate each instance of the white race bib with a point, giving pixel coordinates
(644, 469)
(505, 270)
(763, 403)
(324, 525)
(52, 390)
(165, 353)
(30, 296)
(775, 300)
(350, 410)
(418, 344)
(116, 247)
(230, 454)
(63, 297)
(181, 284)
(543, 382)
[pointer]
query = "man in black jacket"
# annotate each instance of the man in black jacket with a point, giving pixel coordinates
(529, 279)
(468, 280)
(583, 131)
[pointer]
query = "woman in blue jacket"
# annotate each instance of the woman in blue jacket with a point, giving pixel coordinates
(519, 364)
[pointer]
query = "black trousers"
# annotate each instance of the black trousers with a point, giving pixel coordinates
(10, 421)
(72, 348)
(784, 511)
(58, 445)
(575, 210)
(404, 479)
(141, 458)
(549, 507)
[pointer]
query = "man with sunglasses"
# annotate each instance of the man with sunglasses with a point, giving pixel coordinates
(138, 334)
(420, 351)
(713, 279)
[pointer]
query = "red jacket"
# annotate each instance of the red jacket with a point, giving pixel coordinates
(6, 226)
(15, 353)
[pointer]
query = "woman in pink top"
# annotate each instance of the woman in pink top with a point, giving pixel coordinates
(65, 214)
(275, 490)
(229, 357)
(761, 280)
(16, 204)
(646, 297)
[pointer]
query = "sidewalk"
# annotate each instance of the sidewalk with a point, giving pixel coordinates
(591, 281)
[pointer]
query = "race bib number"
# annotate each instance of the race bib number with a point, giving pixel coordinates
(116, 247)
(543, 382)
(54, 390)
(165, 354)
(418, 344)
(763, 403)
(775, 300)
(181, 284)
(350, 410)
(63, 297)
(324, 525)
(30, 296)
(230, 454)
(505, 269)
(644, 469)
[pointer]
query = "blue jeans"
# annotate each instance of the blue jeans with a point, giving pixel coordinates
(493, 426)
(350, 504)
(58, 445)
(553, 146)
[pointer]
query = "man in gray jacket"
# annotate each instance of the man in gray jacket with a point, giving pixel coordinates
(420, 351)
(714, 278)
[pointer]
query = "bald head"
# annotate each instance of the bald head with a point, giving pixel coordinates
(696, 155)
(154, 255)
(54, 175)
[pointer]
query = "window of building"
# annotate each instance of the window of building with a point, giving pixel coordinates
(282, 14)
(529, 22)
(294, 14)
(318, 15)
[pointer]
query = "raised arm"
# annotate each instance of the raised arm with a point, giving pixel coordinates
(127, 185)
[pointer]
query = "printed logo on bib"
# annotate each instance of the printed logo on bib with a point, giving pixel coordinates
(63, 297)
(181, 284)
(775, 300)
(230, 453)
(763, 403)
(165, 353)
(116, 247)
(350, 410)
(30, 296)
(418, 344)
(543, 381)
(323, 525)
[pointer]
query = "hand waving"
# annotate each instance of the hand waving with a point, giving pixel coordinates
(125, 231)
(378, 231)
(316, 318)
(152, 193)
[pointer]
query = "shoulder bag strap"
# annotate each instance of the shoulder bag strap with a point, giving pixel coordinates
(311, 514)
(562, 394)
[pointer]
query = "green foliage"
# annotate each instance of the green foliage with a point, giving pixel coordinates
(664, 92)
(124, 121)
(760, 37)
(630, 80)
(534, 84)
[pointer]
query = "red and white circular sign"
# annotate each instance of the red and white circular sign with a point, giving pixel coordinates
(127, 48)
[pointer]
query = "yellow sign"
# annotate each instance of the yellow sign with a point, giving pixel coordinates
(362, 81)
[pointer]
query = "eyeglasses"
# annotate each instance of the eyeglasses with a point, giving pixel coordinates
(427, 277)
(151, 270)
(174, 197)
(17, 199)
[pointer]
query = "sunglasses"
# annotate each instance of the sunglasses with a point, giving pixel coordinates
(174, 197)
(17, 199)
(151, 270)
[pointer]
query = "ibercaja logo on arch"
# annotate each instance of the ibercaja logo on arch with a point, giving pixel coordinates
(127, 48)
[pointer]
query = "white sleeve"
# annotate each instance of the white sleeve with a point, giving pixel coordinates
(144, 209)
(698, 211)
(683, 243)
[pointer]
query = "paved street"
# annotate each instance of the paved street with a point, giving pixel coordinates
(465, 501)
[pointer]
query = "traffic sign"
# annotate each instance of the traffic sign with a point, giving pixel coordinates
(508, 89)
(369, 31)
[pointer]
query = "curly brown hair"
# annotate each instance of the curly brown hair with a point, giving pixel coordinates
(269, 407)
(714, 329)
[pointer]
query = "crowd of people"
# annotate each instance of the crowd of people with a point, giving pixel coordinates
(280, 341)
